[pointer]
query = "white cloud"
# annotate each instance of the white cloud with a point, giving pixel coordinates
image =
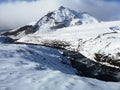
(99, 8)
(19, 13)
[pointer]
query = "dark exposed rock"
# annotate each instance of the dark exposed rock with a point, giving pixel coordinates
(106, 58)
(118, 54)
(28, 30)
(78, 23)
(60, 25)
(56, 44)
(49, 14)
(115, 28)
(52, 43)
(92, 69)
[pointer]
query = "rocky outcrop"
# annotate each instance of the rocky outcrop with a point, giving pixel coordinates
(28, 29)
(56, 44)
(89, 68)
(107, 58)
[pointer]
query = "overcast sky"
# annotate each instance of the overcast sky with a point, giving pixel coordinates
(14, 13)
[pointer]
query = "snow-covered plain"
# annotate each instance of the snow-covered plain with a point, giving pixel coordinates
(28, 67)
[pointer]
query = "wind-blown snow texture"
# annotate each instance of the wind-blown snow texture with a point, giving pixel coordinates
(29, 67)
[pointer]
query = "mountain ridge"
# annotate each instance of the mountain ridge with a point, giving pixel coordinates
(60, 18)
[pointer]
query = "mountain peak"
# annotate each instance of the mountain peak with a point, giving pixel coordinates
(60, 18)
(65, 17)
(62, 7)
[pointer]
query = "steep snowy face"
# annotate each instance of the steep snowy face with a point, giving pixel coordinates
(60, 18)
(64, 17)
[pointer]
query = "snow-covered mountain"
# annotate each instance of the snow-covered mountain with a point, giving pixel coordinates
(60, 18)
(77, 31)
(79, 40)
(64, 17)
(99, 38)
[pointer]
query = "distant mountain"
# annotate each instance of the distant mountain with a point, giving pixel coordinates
(63, 17)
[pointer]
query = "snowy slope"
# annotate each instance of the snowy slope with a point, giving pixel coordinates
(60, 18)
(64, 17)
(100, 38)
(27, 67)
